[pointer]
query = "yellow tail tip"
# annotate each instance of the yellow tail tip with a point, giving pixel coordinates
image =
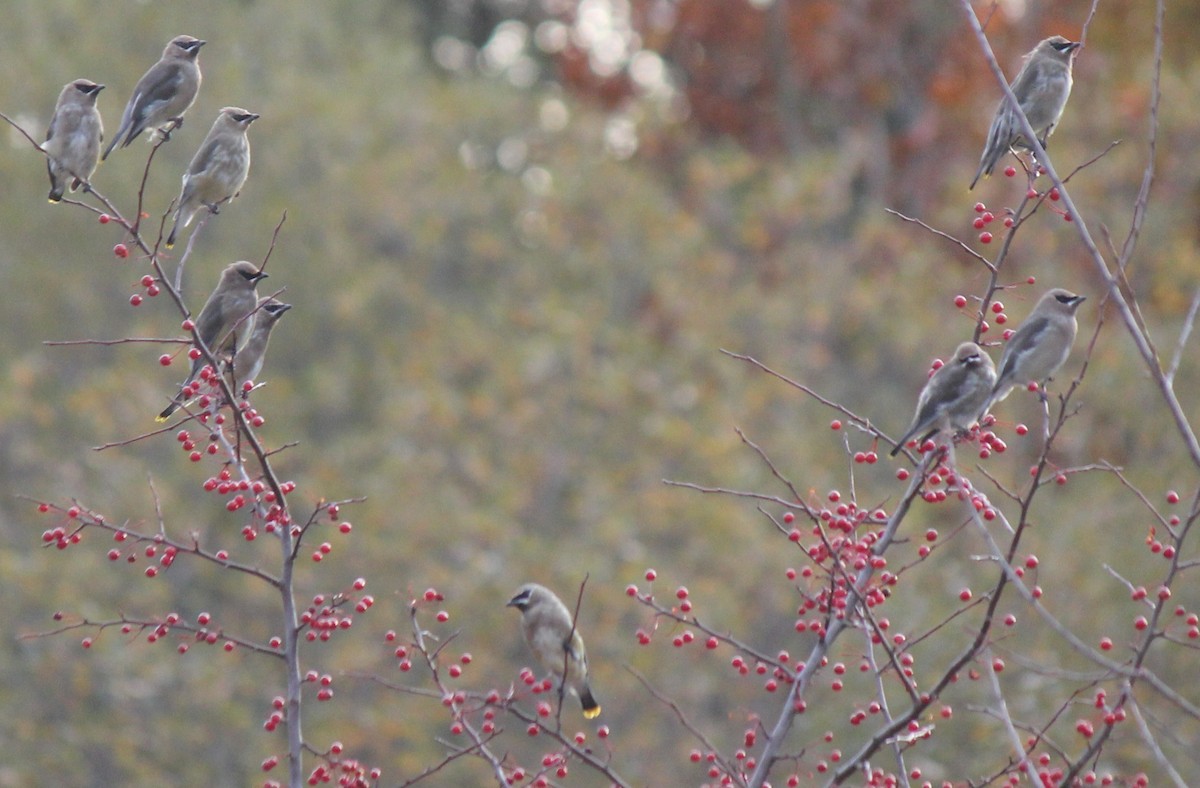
(161, 418)
(591, 713)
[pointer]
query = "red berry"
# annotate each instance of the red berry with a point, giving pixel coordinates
(165, 359)
(985, 238)
(1010, 171)
(980, 207)
(1172, 497)
(651, 575)
(105, 218)
(121, 250)
(960, 301)
(135, 300)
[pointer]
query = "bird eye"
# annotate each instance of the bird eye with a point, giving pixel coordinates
(1064, 299)
(1062, 45)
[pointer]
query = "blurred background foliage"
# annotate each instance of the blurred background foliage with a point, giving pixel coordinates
(518, 234)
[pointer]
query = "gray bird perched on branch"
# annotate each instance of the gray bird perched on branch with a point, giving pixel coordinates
(1040, 346)
(225, 322)
(953, 396)
(546, 623)
(246, 364)
(73, 137)
(218, 170)
(163, 94)
(1041, 87)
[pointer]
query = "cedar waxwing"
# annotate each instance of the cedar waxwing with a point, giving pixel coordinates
(218, 169)
(245, 364)
(1040, 346)
(954, 394)
(546, 623)
(73, 138)
(226, 321)
(163, 93)
(1041, 88)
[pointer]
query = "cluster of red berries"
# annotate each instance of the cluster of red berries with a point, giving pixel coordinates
(325, 617)
(148, 282)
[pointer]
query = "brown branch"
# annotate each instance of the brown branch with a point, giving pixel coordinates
(733, 772)
(111, 342)
(940, 234)
(274, 238)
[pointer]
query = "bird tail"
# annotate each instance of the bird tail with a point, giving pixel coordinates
(126, 132)
(591, 709)
(174, 406)
(111, 145)
(900, 444)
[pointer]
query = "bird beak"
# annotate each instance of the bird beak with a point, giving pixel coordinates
(284, 307)
(260, 276)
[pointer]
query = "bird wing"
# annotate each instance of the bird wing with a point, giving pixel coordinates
(1026, 338)
(1030, 82)
(53, 123)
(156, 88)
(204, 156)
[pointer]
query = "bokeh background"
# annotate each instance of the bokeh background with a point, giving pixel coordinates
(519, 233)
